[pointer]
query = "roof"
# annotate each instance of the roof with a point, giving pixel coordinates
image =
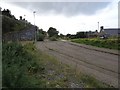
(112, 31)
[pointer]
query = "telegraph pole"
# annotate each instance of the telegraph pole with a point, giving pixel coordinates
(34, 17)
(25, 20)
(34, 26)
(0, 9)
(98, 26)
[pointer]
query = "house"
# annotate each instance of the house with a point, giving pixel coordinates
(92, 34)
(108, 32)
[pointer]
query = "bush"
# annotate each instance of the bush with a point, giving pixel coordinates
(53, 38)
(107, 43)
(18, 64)
(40, 37)
(11, 25)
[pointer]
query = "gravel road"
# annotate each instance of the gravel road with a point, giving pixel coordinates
(98, 62)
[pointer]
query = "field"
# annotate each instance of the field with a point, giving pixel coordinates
(103, 43)
(25, 66)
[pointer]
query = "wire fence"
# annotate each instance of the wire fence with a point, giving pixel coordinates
(23, 35)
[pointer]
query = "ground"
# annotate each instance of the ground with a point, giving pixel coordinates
(100, 63)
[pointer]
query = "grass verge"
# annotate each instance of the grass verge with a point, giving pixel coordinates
(103, 43)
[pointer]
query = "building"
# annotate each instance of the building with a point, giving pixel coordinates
(108, 32)
(111, 31)
(92, 34)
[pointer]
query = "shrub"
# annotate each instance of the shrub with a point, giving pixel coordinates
(18, 63)
(40, 37)
(53, 38)
(11, 25)
(107, 43)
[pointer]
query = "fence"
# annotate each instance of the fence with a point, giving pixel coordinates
(23, 35)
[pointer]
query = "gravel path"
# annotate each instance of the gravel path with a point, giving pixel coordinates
(97, 62)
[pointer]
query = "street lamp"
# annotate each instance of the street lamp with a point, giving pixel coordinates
(34, 26)
(34, 17)
(0, 9)
(98, 26)
(25, 20)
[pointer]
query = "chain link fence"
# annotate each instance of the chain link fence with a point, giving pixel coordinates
(23, 35)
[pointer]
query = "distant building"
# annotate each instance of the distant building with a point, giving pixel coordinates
(92, 34)
(108, 32)
(111, 31)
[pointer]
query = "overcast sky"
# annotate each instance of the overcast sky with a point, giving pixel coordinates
(67, 17)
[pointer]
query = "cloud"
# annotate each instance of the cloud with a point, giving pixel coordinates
(66, 8)
(79, 20)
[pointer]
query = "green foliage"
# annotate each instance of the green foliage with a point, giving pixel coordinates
(91, 82)
(53, 38)
(81, 35)
(71, 36)
(41, 35)
(19, 66)
(61, 35)
(24, 66)
(11, 24)
(106, 43)
(7, 12)
(77, 35)
(52, 32)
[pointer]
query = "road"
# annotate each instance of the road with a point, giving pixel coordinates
(97, 62)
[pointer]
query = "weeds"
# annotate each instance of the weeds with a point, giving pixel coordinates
(24, 66)
(18, 63)
(107, 43)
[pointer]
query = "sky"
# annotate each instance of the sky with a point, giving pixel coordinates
(67, 17)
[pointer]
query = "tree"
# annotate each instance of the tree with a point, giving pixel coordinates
(68, 35)
(7, 12)
(61, 35)
(81, 35)
(52, 32)
(71, 36)
(20, 17)
(41, 35)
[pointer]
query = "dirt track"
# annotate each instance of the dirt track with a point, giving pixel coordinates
(100, 63)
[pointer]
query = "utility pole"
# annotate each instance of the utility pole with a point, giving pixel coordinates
(0, 9)
(25, 20)
(34, 17)
(98, 26)
(35, 27)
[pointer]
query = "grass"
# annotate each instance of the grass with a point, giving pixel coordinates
(103, 43)
(25, 66)
(53, 38)
(19, 66)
